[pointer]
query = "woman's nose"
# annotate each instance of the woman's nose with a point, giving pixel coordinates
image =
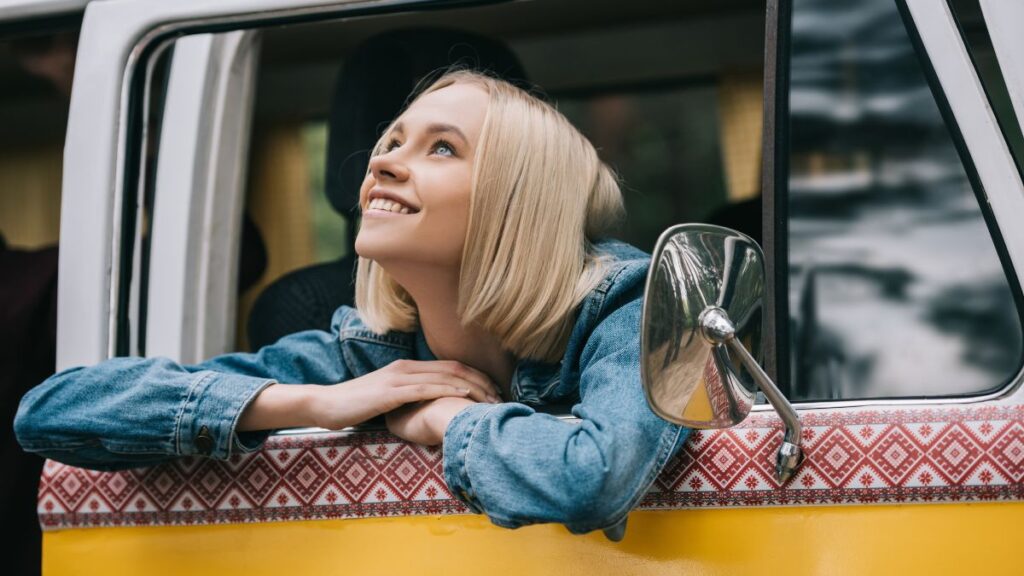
(387, 166)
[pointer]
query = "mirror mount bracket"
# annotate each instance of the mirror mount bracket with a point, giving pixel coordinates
(718, 329)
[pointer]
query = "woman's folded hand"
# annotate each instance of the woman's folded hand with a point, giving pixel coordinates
(425, 422)
(399, 383)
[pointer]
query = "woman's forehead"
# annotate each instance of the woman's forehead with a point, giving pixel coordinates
(461, 105)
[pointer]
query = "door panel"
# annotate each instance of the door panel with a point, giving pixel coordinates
(369, 502)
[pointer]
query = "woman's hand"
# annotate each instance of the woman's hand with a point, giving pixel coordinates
(425, 422)
(399, 383)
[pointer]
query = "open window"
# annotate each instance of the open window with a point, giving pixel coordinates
(256, 139)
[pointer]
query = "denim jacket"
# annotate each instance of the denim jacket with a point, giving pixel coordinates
(509, 461)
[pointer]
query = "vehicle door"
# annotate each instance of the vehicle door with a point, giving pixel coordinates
(893, 309)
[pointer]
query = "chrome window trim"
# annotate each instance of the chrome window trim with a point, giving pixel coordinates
(1009, 393)
(368, 428)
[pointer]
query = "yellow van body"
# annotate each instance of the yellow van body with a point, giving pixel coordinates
(886, 487)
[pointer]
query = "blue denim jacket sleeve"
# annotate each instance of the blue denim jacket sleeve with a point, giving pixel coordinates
(522, 467)
(130, 412)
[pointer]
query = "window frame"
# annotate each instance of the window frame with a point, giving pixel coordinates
(154, 32)
(198, 195)
(103, 175)
(128, 319)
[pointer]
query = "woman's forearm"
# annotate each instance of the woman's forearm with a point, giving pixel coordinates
(280, 406)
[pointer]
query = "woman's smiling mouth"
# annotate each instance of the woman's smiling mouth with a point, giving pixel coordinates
(386, 203)
(383, 205)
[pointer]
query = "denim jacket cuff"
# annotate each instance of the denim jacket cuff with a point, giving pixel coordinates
(455, 448)
(208, 418)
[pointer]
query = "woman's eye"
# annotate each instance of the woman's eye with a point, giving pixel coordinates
(391, 145)
(444, 148)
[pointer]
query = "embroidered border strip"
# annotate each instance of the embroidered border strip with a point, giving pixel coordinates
(851, 457)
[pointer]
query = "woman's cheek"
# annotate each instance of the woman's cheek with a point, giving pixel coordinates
(364, 189)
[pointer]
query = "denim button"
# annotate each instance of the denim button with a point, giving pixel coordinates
(204, 441)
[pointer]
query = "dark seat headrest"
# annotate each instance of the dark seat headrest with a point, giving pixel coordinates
(374, 83)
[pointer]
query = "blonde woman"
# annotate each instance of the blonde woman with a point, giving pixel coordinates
(486, 287)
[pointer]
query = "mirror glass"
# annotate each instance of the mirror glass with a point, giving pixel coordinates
(687, 379)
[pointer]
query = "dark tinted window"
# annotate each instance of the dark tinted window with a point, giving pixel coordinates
(895, 285)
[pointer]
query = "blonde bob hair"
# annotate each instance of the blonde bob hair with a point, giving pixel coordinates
(540, 198)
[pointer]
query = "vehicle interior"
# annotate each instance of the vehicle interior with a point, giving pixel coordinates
(669, 92)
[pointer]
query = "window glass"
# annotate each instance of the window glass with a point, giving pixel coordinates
(895, 285)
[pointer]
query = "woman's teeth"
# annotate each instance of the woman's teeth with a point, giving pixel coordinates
(384, 204)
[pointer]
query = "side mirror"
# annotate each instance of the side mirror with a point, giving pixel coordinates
(702, 314)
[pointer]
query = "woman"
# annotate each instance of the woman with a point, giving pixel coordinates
(483, 274)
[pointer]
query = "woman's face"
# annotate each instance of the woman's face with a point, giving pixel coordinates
(415, 198)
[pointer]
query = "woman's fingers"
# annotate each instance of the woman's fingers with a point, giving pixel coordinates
(476, 390)
(452, 368)
(420, 392)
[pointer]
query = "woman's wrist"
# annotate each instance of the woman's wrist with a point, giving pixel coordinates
(280, 406)
(444, 412)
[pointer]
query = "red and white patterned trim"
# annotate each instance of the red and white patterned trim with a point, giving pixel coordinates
(852, 457)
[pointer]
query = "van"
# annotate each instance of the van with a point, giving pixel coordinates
(872, 149)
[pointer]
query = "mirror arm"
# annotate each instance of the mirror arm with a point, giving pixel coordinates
(719, 329)
(790, 455)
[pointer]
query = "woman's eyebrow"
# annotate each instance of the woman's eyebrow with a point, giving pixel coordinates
(441, 127)
(436, 128)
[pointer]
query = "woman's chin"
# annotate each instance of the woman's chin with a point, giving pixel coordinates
(379, 252)
(368, 247)
(386, 252)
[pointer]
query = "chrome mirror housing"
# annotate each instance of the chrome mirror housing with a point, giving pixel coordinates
(702, 315)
